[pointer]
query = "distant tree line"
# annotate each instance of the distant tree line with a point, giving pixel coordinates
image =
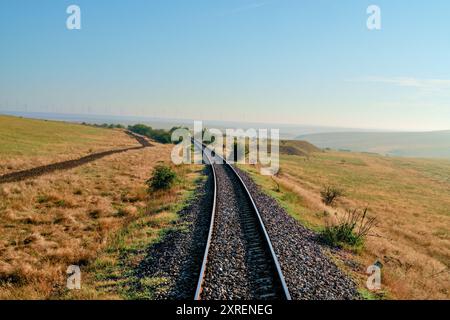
(159, 135)
(105, 125)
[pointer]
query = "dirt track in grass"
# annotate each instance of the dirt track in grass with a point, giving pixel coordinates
(70, 164)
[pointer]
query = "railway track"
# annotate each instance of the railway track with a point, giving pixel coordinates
(239, 260)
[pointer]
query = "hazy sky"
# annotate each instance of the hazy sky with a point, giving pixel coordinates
(287, 61)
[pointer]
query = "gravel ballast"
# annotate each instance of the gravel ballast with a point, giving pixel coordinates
(309, 273)
(229, 274)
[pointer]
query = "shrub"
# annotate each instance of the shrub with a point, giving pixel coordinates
(162, 178)
(329, 194)
(351, 229)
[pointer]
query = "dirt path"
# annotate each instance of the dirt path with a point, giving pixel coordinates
(70, 164)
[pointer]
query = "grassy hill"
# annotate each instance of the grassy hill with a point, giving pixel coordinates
(405, 144)
(20, 136)
(26, 143)
(99, 215)
(297, 148)
(409, 197)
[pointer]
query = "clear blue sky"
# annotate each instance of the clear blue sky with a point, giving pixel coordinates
(283, 61)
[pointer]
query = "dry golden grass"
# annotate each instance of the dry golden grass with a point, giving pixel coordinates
(410, 199)
(68, 217)
(113, 275)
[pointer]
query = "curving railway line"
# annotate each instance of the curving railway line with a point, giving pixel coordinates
(239, 261)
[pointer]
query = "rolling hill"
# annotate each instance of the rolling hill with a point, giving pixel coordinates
(26, 143)
(408, 197)
(99, 213)
(434, 144)
(297, 148)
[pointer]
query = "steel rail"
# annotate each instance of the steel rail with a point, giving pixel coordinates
(198, 291)
(266, 237)
(267, 240)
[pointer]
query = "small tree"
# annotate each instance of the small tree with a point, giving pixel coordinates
(162, 178)
(329, 194)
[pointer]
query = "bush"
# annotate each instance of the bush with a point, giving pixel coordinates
(162, 178)
(351, 229)
(330, 194)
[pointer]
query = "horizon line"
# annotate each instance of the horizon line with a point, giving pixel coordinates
(165, 119)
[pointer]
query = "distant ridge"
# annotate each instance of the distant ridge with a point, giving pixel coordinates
(287, 131)
(297, 148)
(435, 144)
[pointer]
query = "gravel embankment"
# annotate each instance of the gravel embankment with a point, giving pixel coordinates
(178, 257)
(309, 274)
